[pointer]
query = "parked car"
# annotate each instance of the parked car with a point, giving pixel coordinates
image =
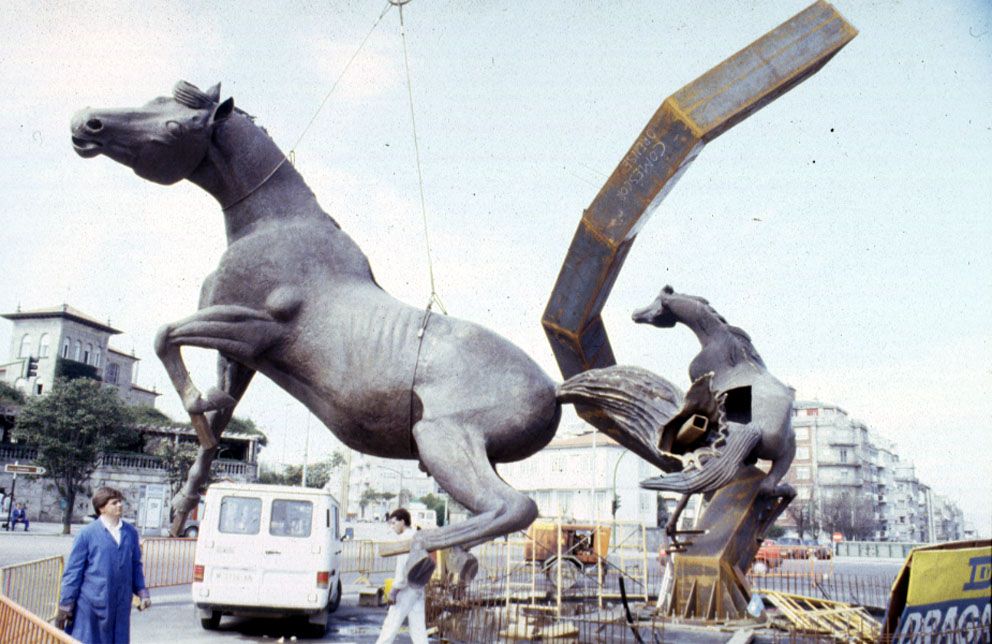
(819, 550)
(769, 557)
(791, 548)
(267, 550)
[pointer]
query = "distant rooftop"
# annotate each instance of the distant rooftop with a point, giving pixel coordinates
(63, 311)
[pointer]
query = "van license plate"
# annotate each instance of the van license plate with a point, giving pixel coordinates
(233, 577)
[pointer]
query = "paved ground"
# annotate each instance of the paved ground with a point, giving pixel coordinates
(172, 618)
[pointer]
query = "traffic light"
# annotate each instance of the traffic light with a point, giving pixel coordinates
(32, 367)
(616, 504)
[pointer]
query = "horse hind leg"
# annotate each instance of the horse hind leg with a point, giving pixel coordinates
(456, 456)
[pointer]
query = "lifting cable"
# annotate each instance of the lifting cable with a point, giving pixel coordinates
(434, 298)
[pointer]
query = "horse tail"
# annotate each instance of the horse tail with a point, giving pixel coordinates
(640, 410)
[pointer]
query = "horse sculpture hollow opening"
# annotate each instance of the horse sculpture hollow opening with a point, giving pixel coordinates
(294, 298)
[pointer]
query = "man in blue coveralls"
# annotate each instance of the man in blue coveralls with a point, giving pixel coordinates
(103, 573)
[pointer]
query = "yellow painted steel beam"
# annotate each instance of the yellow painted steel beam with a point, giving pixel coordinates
(674, 136)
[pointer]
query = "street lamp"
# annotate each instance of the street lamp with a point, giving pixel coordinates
(399, 472)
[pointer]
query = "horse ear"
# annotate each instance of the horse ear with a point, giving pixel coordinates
(668, 289)
(214, 93)
(223, 110)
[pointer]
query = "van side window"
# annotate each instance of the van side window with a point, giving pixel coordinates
(240, 515)
(337, 532)
(291, 518)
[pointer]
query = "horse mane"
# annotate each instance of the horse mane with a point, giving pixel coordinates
(746, 352)
(739, 348)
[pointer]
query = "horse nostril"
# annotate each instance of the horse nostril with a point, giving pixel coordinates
(94, 125)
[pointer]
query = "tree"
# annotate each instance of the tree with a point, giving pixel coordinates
(148, 415)
(318, 474)
(177, 457)
(247, 426)
(437, 504)
(9, 395)
(370, 496)
(804, 515)
(852, 517)
(72, 426)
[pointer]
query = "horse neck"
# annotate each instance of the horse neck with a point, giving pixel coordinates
(252, 179)
(702, 320)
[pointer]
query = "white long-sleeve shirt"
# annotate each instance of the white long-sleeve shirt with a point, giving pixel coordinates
(399, 575)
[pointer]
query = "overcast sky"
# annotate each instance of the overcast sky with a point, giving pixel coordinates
(846, 226)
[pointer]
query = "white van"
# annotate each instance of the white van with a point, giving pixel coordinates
(267, 550)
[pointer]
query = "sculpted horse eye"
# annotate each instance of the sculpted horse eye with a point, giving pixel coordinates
(174, 128)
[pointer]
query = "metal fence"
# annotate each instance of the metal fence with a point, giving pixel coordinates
(359, 558)
(167, 561)
(875, 549)
(34, 585)
(20, 626)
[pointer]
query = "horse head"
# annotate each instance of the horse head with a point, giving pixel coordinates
(163, 141)
(659, 313)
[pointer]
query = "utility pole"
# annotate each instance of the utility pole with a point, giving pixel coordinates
(306, 452)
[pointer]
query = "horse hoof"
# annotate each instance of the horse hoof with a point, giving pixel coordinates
(420, 572)
(469, 569)
(213, 400)
(463, 563)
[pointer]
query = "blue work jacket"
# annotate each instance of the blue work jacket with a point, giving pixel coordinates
(99, 581)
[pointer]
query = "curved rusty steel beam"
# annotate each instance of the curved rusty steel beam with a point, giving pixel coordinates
(675, 135)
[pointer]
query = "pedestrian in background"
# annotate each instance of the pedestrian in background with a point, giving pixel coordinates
(19, 515)
(103, 573)
(406, 602)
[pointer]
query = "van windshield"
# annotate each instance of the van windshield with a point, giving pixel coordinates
(291, 518)
(240, 515)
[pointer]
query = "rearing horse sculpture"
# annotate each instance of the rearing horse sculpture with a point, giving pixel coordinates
(294, 299)
(754, 399)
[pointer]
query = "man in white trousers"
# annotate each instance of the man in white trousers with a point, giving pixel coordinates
(407, 602)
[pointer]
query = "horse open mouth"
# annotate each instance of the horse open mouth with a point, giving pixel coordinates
(84, 148)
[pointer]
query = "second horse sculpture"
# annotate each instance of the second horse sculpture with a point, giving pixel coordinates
(294, 298)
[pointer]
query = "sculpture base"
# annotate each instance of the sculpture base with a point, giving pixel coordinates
(709, 575)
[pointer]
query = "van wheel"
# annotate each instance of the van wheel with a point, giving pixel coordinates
(211, 623)
(335, 601)
(191, 532)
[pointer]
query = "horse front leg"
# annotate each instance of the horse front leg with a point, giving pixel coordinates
(239, 332)
(234, 379)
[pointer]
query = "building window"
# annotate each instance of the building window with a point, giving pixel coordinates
(112, 373)
(843, 455)
(812, 411)
(802, 453)
(802, 473)
(96, 358)
(87, 353)
(79, 351)
(802, 433)
(25, 351)
(65, 348)
(43, 345)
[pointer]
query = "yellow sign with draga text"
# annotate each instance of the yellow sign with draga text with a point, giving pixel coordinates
(949, 592)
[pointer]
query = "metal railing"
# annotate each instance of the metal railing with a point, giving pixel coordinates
(18, 453)
(876, 549)
(359, 557)
(167, 561)
(17, 624)
(130, 461)
(34, 585)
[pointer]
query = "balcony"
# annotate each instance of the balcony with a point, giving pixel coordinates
(842, 437)
(10, 452)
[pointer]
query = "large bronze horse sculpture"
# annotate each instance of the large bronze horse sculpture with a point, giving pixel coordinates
(294, 298)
